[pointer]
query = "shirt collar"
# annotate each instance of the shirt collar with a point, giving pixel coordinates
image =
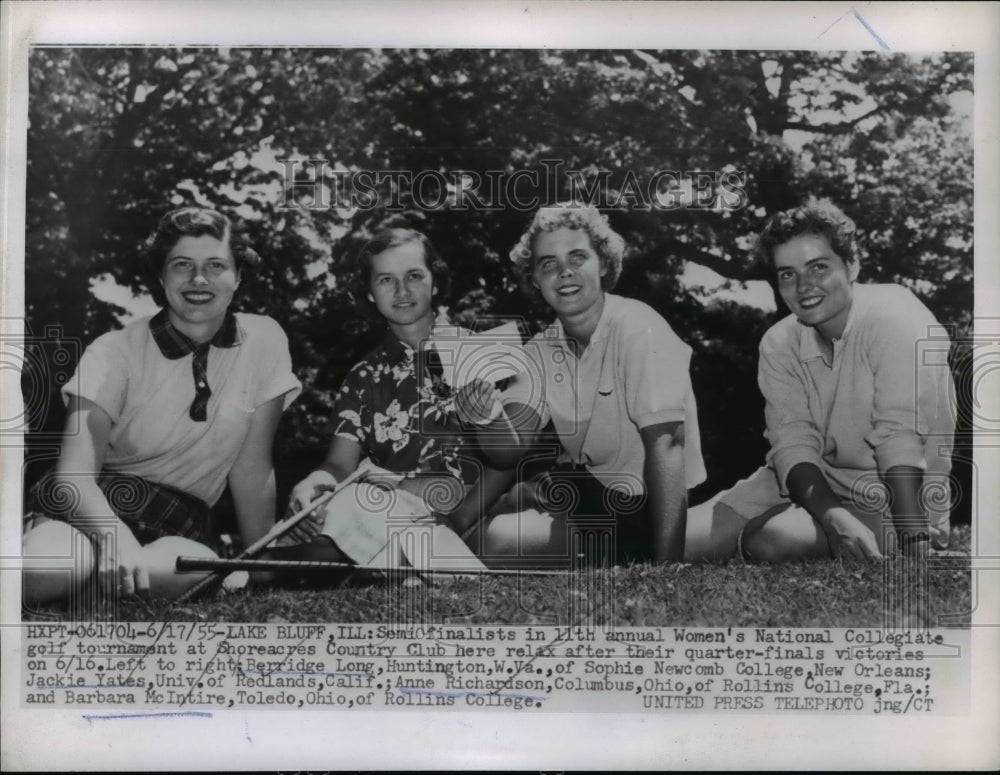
(809, 343)
(396, 350)
(555, 334)
(173, 344)
(809, 346)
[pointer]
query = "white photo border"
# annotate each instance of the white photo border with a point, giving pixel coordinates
(61, 739)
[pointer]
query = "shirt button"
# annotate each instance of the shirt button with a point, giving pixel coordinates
(201, 384)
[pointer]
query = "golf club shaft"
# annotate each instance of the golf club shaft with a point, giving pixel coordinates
(280, 529)
(219, 565)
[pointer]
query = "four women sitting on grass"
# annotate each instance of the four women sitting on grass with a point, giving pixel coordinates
(169, 409)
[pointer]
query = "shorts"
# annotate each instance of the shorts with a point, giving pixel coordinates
(606, 525)
(151, 511)
(758, 495)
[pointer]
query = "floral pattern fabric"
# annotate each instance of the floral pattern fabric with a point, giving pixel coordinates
(395, 404)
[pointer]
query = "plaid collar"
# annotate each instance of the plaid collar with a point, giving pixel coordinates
(173, 344)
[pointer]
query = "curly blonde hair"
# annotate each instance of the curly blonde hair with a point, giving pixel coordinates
(607, 243)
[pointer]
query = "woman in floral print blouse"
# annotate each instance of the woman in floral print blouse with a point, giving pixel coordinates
(393, 408)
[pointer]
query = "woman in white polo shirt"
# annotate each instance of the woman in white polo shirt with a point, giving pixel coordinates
(613, 378)
(162, 414)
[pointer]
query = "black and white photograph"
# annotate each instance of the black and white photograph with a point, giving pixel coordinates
(536, 368)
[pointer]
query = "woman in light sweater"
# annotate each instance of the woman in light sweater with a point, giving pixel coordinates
(860, 422)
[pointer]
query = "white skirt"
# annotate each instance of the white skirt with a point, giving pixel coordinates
(392, 529)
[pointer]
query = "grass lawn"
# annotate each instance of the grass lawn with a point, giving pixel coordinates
(809, 594)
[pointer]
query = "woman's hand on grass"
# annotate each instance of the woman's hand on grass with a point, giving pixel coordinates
(849, 536)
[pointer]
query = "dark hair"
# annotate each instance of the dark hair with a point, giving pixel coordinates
(192, 222)
(821, 218)
(393, 237)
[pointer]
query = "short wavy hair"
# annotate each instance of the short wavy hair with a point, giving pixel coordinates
(819, 217)
(192, 222)
(607, 243)
(393, 237)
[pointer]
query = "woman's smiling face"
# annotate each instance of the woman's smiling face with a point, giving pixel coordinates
(815, 283)
(199, 278)
(567, 270)
(402, 286)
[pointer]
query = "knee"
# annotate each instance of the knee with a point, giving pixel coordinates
(54, 541)
(526, 533)
(501, 535)
(57, 558)
(712, 531)
(160, 559)
(772, 544)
